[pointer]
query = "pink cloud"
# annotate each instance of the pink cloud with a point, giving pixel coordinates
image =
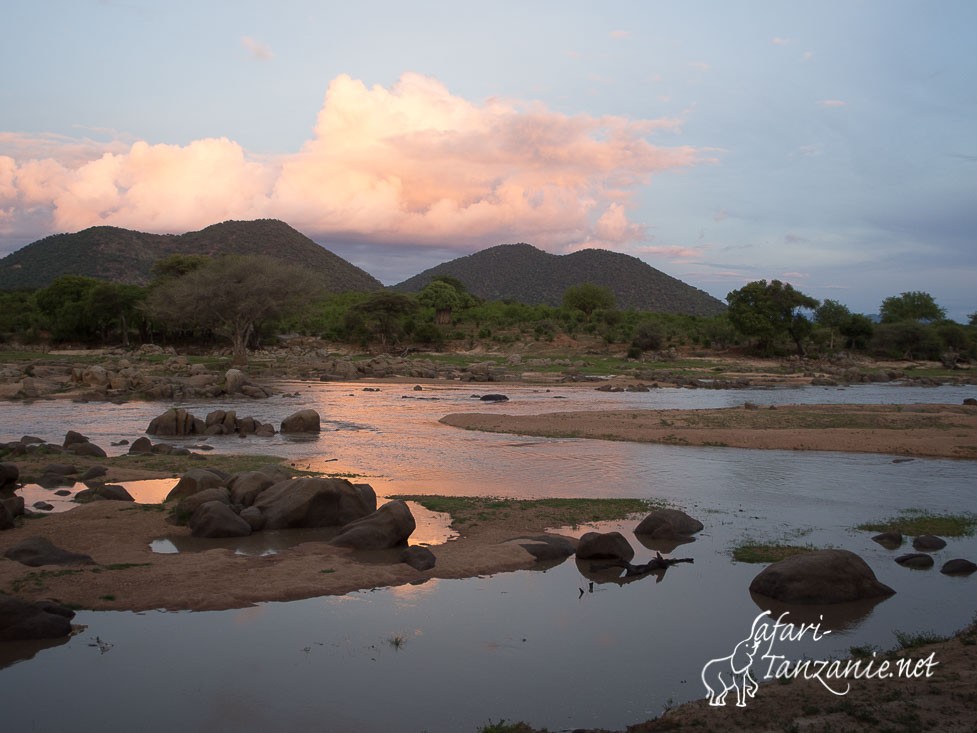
(669, 252)
(777, 41)
(257, 49)
(409, 163)
(619, 34)
(832, 103)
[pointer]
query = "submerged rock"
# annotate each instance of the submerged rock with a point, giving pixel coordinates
(917, 560)
(958, 566)
(929, 543)
(889, 540)
(303, 421)
(821, 576)
(604, 546)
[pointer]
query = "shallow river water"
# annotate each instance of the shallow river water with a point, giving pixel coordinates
(545, 647)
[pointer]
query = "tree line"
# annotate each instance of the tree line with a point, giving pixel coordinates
(245, 301)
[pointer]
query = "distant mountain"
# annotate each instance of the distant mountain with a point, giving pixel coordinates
(526, 274)
(125, 256)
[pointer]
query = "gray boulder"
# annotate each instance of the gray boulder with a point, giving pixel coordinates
(72, 438)
(176, 421)
(419, 558)
(86, 448)
(38, 551)
(234, 379)
(916, 560)
(889, 540)
(43, 620)
(548, 547)
(141, 445)
(93, 473)
(929, 543)
(389, 526)
(194, 480)
(9, 475)
(958, 566)
(108, 492)
(820, 576)
(315, 502)
(252, 515)
(217, 519)
(303, 421)
(668, 524)
(604, 546)
(189, 504)
(246, 486)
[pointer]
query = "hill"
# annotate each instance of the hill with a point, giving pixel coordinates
(126, 256)
(526, 274)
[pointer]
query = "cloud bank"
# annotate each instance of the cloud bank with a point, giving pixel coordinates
(410, 164)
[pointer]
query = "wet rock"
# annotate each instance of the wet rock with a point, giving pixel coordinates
(821, 576)
(62, 492)
(917, 560)
(43, 620)
(189, 504)
(958, 566)
(217, 519)
(547, 547)
(315, 502)
(108, 492)
(43, 506)
(494, 398)
(929, 543)
(176, 422)
(970, 401)
(389, 526)
(889, 540)
(419, 558)
(604, 546)
(194, 480)
(668, 524)
(37, 551)
(303, 421)
(252, 515)
(93, 473)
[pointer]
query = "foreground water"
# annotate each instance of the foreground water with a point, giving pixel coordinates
(451, 655)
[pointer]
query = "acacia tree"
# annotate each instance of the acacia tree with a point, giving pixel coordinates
(912, 306)
(587, 297)
(770, 312)
(443, 298)
(231, 296)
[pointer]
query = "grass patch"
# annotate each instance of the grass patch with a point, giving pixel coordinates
(175, 465)
(123, 566)
(503, 726)
(917, 522)
(913, 641)
(763, 552)
(38, 579)
(551, 512)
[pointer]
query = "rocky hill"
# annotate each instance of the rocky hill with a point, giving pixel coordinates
(121, 255)
(526, 274)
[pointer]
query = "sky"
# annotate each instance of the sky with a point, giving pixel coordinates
(830, 144)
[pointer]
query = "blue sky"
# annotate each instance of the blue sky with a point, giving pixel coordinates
(832, 145)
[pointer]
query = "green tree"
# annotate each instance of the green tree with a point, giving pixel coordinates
(63, 306)
(587, 298)
(441, 296)
(177, 265)
(382, 317)
(110, 305)
(972, 319)
(832, 316)
(912, 306)
(770, 312)
(231, 296)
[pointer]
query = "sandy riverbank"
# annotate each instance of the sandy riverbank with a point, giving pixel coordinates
(941, 431)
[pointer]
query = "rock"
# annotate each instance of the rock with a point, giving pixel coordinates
(140, 446)
(217, 519)
(303, 421)
(929, 543)
(315, 502)
(889, 540)
(189, 504)
(62, 492)
(389, 526)
(820, 577)
(547, 547)
(86, 449)
(64, 469)
(71, 437)
(265, 430)
(6, 518)
(176, 422)
(255, 392)
(194, 480)
(494, 398)
(604, 546)
(246, 486)
(43, 506)
(419, 558)
(54, 480)
(38, 551)
(668, 524)
(9, 475)
(43, 620)
(958, 566)
(918, 560)
(970, 401)
(108, 492)
(234, 379)
(93, 473)
(13, 504)
(252, 515)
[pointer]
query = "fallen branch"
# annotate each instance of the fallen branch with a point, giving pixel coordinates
(656, 563)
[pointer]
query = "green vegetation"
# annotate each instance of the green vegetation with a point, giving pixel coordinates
(762, 552)
(916, 522)
(915, 640)
(552, 512)
(770, 313)
(36, 580)
(503, 726)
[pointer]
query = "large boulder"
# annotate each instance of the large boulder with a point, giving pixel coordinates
(217, 519)
(958, 566)
(604, 546)
(389, 526)
(548, 547)
(9, 475)
(193, 481)
(108, 492)
(38, 551)
(43, 620)
(315, 502)
(141, 446)
(189, 504)
(303, 421)
(929, 543)
(246, 486)
(234, 379)
(86, 449)
(668, 524)
(820, 577)
(176, 421)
